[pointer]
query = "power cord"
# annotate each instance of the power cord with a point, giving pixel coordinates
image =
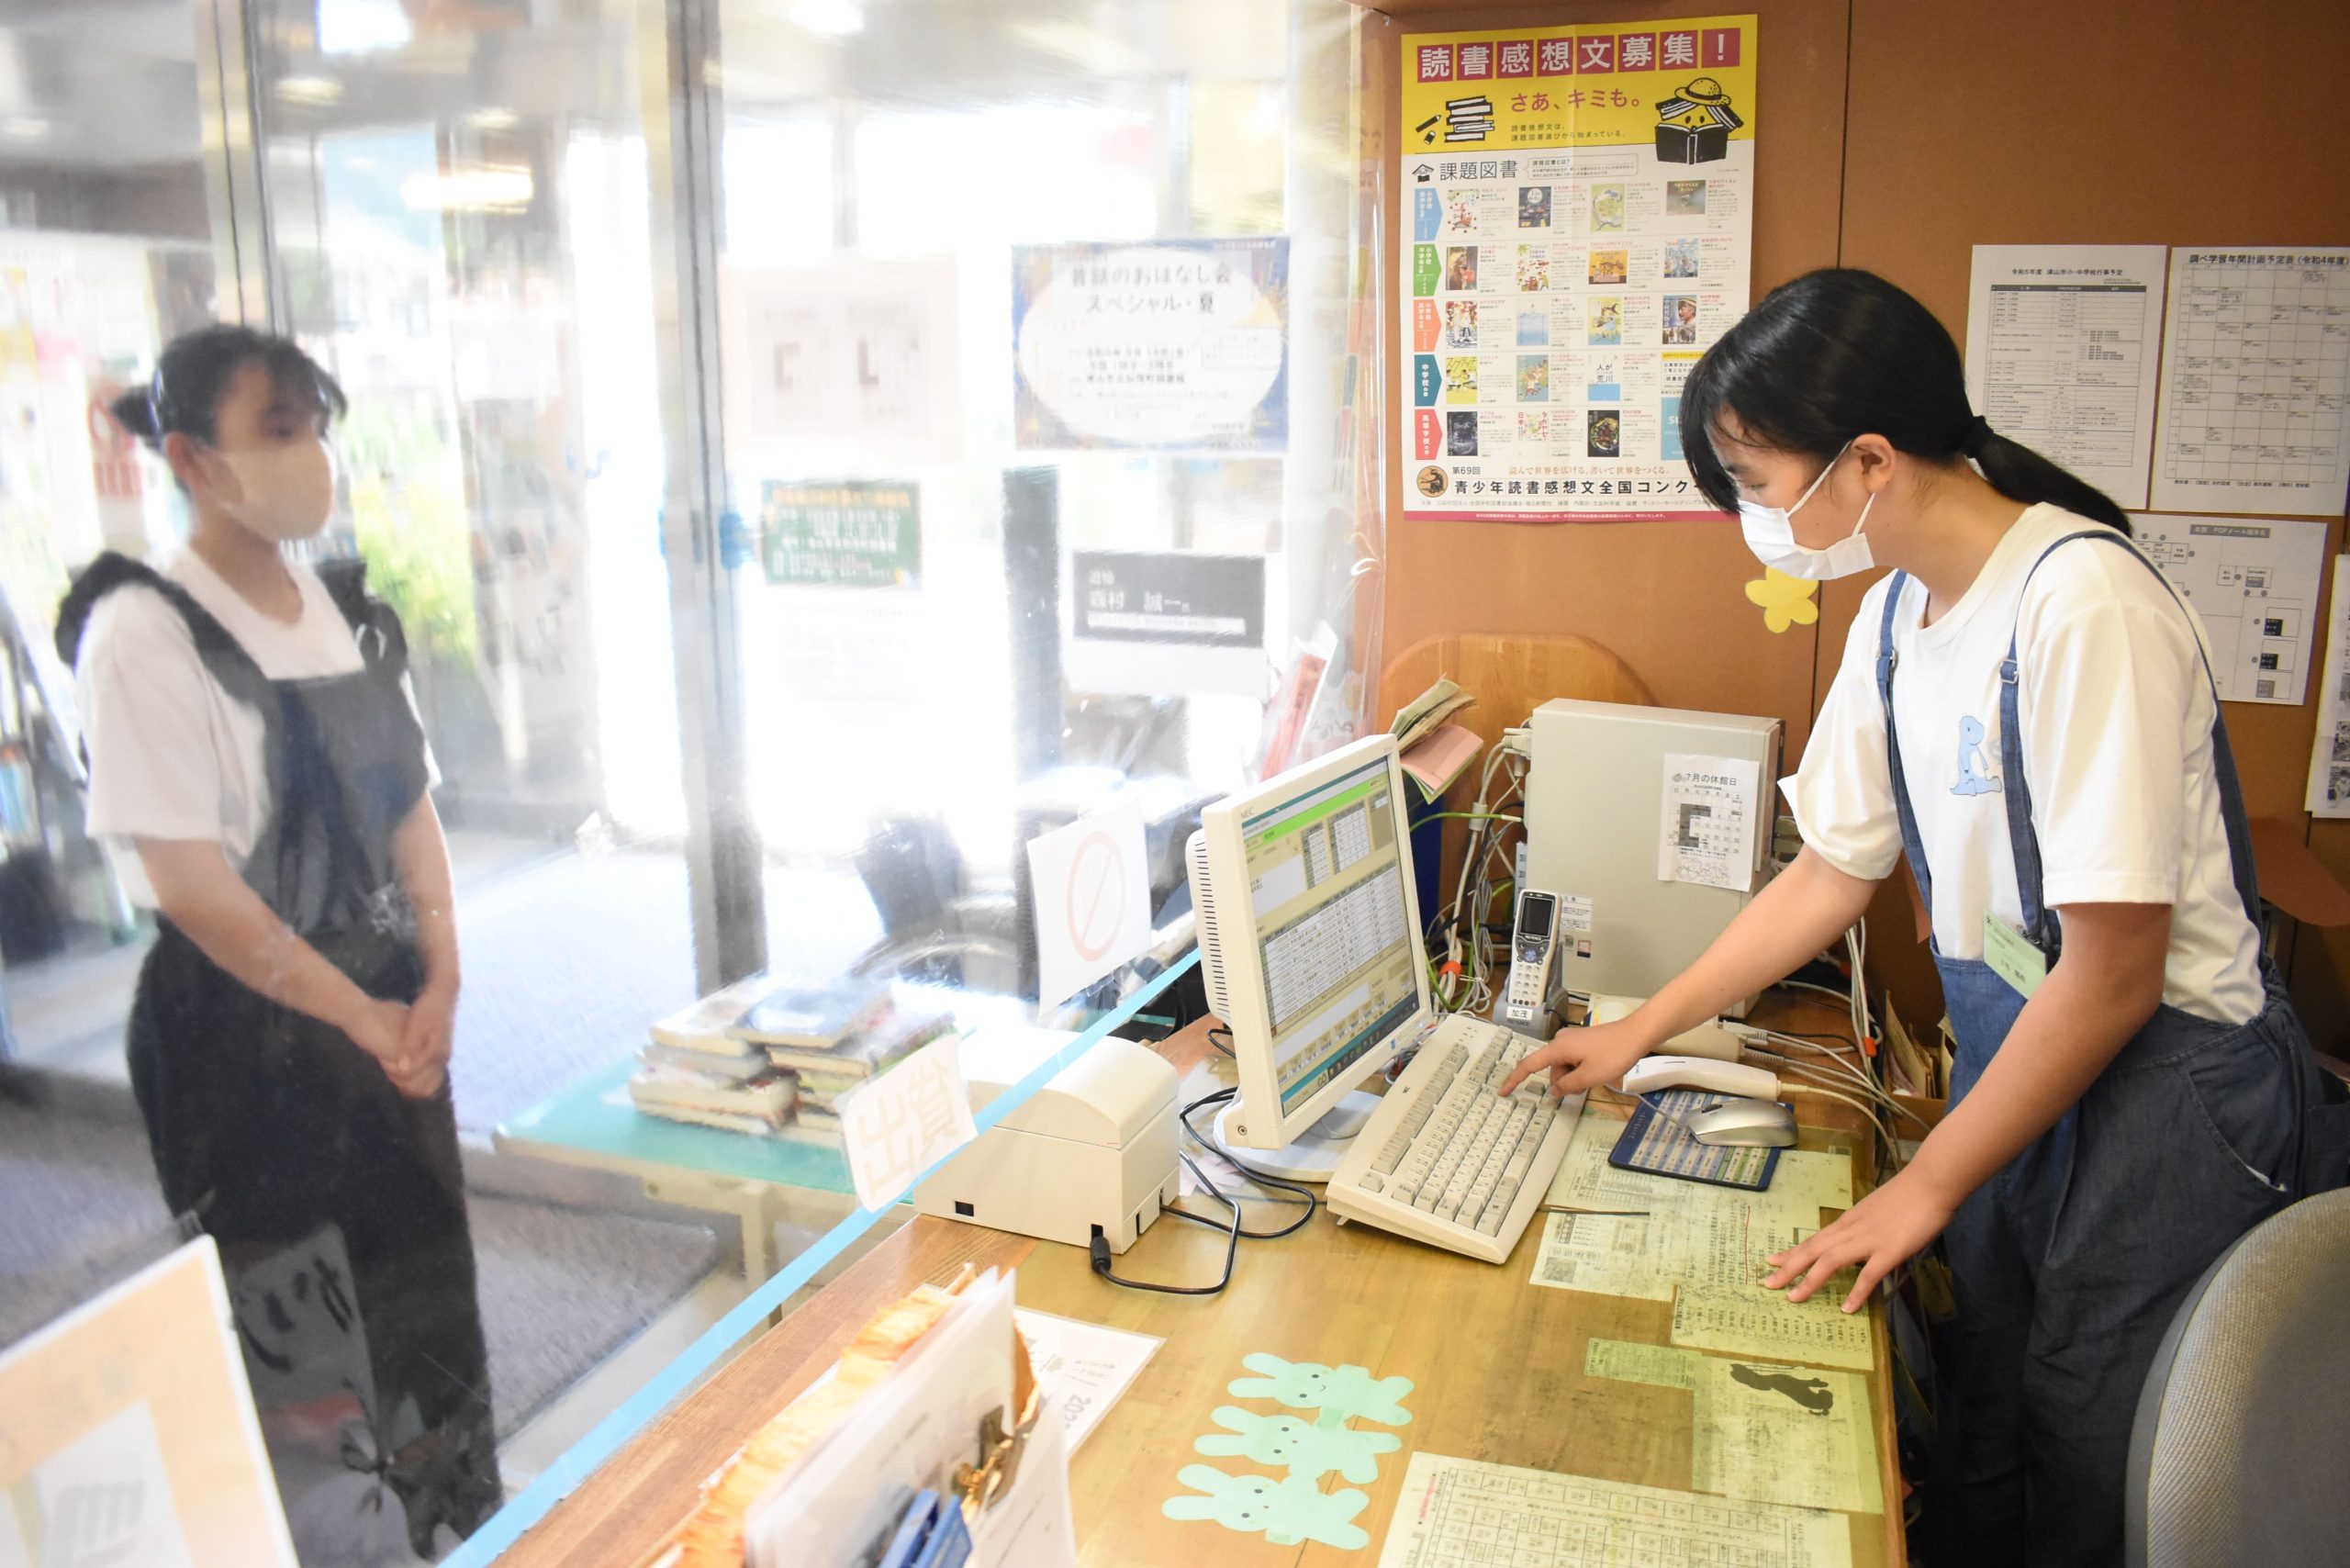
(1261, 1179)
(1099, 1245)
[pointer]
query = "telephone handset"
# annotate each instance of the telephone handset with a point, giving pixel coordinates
(1534, 943)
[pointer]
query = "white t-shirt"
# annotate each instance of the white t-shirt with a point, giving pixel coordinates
(2117, 749)
(172, 753)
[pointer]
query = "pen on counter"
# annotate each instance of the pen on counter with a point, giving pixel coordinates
(1602, 1213)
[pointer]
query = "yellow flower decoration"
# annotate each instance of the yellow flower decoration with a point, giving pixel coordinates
(1786, 601)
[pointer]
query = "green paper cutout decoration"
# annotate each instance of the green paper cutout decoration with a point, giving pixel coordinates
(1309, 1452)
(1290, 1511)
(1336, 1392)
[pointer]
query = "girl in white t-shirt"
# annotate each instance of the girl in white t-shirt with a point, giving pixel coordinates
(2132, 1092)
(259, 777)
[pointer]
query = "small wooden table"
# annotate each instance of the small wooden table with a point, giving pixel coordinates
(1496, 1366)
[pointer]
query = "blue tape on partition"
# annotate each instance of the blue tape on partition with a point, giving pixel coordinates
(580, 1461)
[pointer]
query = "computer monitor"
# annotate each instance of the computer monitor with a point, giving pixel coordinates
(1310, 943)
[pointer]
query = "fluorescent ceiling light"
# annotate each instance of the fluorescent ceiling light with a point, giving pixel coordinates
(834, 19)
(485, 188)
(493, 120)
(1081, 46)
(319, 91)
(348, 27)
(24, 128)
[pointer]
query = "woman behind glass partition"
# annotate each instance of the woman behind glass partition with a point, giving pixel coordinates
(257, 768)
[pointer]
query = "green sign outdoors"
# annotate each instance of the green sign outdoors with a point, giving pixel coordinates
(848, 533)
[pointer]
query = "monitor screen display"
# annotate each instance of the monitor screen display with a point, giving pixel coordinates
(1333, 931)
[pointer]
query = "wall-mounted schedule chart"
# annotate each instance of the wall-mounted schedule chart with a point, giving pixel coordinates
(2255, 404)
(2061, 353)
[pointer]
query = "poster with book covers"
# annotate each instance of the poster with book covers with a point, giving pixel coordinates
(1578, 202)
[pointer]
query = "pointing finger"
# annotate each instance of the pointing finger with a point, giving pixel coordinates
(1530, 1064)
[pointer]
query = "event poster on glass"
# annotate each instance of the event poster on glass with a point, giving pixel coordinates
(1580, 207)
(1167, 345)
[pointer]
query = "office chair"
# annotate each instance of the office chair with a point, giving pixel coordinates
(2237, 1453)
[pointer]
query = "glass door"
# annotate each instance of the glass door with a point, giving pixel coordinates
(1035, 330)
(106, 250)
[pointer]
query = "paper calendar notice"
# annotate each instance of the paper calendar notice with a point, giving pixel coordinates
(1708, 831)
(2256, 380)
(1456, 1513)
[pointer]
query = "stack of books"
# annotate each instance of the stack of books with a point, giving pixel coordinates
(694, 1071)
(773, 1058)
(833, 1039)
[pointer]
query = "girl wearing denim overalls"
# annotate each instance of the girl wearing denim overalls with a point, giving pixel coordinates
(2027, 710)
(259, 776)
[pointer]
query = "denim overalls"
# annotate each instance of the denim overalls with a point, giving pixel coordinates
(2070, 1262)
(282, 1137)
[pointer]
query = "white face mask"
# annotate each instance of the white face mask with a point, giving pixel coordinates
(1771, 534)
(284, 492)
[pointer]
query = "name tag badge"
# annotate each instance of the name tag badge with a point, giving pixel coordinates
(2011, 958)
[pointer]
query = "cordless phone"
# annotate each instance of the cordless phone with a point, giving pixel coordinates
(1532, 943)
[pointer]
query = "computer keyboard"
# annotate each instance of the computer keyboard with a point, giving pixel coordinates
(1445, 1160)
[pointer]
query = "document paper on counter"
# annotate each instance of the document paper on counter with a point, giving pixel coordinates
(1084, 1367)
(1766, 1433)
(1456, 1513)
(1701, 1248)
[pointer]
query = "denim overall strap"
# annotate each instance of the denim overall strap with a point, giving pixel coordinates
(1911, 845)
(2024, 840)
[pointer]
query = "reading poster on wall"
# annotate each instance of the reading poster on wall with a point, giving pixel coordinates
(1580, 201)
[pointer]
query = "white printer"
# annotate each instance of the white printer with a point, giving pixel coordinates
(1094, 1147)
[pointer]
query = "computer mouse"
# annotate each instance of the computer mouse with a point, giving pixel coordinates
(1757, 1124)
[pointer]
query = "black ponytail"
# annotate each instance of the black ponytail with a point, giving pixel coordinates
(1840, 352)
(193, 374)
(135, 413)
(2022, 475)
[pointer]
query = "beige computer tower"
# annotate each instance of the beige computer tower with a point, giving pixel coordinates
(1609, 824)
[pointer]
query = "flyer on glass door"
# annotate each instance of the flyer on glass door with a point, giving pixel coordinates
(1579, 203)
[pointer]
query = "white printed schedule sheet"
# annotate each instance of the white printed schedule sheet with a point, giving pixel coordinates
(2253, 583)
(2255, 400)
(2061, 355)
(1458, 1513)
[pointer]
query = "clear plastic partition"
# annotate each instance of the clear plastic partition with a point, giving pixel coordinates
(814, 450)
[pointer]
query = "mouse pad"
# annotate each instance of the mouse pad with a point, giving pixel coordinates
(1662, 1146)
